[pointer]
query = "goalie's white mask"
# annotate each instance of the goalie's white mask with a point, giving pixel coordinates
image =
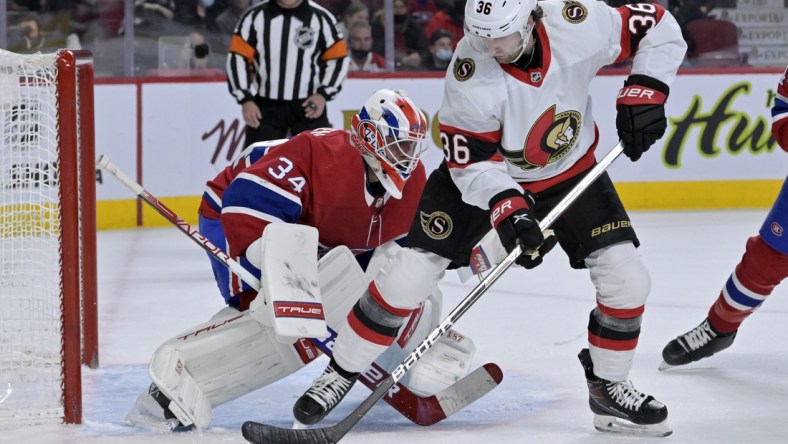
(390, 132)
(499, 28)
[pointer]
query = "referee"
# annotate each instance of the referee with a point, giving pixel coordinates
(286, 60)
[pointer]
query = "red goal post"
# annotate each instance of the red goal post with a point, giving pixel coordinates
(48, 308)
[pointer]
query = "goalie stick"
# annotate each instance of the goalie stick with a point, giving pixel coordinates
(258, 433)
(422, 410)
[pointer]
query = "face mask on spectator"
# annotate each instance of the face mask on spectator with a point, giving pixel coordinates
(443, 54)
(359, 53)
(207, 3)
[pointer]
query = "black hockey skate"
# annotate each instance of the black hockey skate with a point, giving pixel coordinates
(620, 408)
(324, 395)
(694, 345)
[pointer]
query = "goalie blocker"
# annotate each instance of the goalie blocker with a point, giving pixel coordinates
(234, 353)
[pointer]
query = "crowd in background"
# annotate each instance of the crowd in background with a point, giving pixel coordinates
(177, 37)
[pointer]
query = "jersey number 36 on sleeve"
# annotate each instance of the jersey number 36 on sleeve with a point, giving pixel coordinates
(281, 171)
(455, 148)
(643, 18)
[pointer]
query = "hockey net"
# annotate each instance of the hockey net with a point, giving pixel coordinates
(47, 235)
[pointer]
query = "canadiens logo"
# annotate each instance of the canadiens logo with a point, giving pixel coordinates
(550, 139)
(777, 229)
(464, 69)
(437, 225)
(574, 12)
(304, 37)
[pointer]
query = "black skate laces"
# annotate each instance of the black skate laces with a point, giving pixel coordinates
(329, 388)
(699, 336)
(626, 395)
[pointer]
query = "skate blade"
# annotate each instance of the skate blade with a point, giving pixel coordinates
(299, 426)
(611, 424)
(665, 366)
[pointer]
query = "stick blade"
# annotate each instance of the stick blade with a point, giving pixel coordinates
(258, 433)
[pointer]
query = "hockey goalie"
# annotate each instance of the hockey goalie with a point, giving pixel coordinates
(272, 210)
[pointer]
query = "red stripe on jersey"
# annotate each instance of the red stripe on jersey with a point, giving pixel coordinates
(375, 293)
(497, 157)
(612, 344)
(626, 51)
(366, 333)
(621, 313)
(585, 162)
(489, 136)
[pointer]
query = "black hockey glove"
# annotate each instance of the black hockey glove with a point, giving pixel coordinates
(511, 214)
(641, 114)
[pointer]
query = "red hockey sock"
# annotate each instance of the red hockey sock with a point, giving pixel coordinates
(754, 278)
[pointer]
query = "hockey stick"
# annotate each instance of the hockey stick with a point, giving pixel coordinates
(264, 434)
(422, 410)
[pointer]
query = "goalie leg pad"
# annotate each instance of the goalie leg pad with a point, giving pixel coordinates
(219, 361)
(289, 299)
(444, 364)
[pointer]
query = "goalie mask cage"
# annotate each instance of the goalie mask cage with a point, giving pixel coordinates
(48, 323)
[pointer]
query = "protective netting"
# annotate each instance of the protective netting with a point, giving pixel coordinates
(30, 290)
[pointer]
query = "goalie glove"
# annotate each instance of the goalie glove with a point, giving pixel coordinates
(640, 120)
(511, 214)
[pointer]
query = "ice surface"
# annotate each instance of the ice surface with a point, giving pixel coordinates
(153, 283)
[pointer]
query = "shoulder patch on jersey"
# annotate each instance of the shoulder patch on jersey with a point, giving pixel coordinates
(304, 37)
(574, 12)
(464, 69)
(437, 225)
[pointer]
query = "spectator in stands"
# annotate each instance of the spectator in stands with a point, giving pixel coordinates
(409, 40)
(355, 12)
(686, 11)
(449, 18)
(227, 19)
(440, 50)
(362, 58)
(25, 35)
(423, 10)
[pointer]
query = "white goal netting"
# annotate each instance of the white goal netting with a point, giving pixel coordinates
(30, 291)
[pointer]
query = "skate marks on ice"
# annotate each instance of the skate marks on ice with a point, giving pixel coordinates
(110, 393)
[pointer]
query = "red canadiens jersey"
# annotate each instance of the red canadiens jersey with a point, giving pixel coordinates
(319, 179)
(780, 113)
(502, 125)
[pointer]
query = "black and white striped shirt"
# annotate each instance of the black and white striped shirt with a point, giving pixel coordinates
(286, 54)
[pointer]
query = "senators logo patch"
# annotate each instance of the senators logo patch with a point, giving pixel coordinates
(464, 69)
(574, 12)
(437, 225)
(550, 139)
(304, 37)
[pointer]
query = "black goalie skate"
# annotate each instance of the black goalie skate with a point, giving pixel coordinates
(324, 395)
(694, 345)
(620, 408)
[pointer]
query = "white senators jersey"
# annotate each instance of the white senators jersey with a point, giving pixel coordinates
(502, 123)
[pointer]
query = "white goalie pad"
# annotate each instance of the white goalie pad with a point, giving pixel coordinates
(342, 282)
(289, 300)
(218, 361)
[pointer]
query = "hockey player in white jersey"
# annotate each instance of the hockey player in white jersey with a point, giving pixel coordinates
(518, 134)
